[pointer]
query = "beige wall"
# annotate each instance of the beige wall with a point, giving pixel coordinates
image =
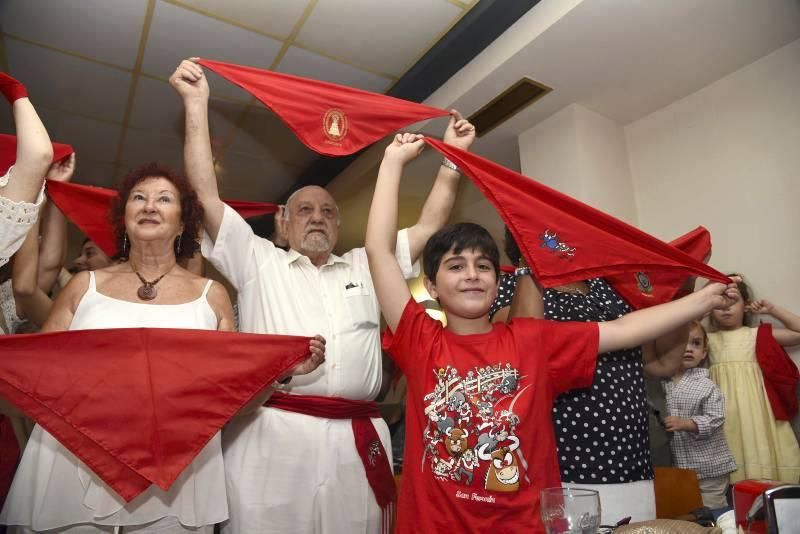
(583, 154)
(728, 157)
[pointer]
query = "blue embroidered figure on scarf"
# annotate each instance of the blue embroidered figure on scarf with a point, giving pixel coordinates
(551, 241)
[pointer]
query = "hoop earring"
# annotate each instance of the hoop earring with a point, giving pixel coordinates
(125, 244)
(178, 245)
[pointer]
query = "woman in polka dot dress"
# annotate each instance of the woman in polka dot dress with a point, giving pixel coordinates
(601, 433)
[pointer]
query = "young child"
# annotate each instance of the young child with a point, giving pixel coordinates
(697, 412)
(479, 439)
(763, 446)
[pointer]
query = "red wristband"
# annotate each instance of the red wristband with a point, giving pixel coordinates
(11, 88)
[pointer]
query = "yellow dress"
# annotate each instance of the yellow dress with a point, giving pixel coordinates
(762, 446)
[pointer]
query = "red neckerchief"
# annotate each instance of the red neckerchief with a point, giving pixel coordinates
(641, 290)
(644, 289)
(780, 374)
(8, 152)
(564, 240)
(328, 118)
(137, 405)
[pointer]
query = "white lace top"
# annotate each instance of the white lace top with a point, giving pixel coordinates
(16, 218)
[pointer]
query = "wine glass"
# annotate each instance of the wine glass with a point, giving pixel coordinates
(570, 510)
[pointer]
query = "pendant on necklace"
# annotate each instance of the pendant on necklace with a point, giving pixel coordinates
(147, 291)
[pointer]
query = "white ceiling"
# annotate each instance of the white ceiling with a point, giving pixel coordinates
(97, 71)
(623, 59)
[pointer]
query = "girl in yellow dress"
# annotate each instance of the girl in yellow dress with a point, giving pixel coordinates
(763, 446)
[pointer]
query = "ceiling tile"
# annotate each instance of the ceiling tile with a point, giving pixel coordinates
(253, 177)
(115, 26)
(157, 106)
(177, 33)
(265, 136)
(304, 63)
(145, 146)
(345, 28)
(91, 139)
(83, 87)
(276, 17)
(97, 173)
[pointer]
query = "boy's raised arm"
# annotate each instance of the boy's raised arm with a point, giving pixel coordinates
(644, 325)
(387, 277)
(460, 133)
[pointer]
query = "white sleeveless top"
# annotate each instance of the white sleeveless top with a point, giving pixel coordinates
(53, 489)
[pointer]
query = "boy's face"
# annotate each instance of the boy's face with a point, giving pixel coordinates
(696, 350)
(466, 284)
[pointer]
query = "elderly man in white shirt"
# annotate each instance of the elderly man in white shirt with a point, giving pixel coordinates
(21, 191)
(288, 471)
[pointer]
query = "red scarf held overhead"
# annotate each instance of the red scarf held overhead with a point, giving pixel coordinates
(89, 208)
(368, 443)
(137, 405)
(644, 289)
(780, 374)
(331, 119)
(8, 152)
(564, 240)
(659, 287)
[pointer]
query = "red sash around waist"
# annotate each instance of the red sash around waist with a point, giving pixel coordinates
(368, 444)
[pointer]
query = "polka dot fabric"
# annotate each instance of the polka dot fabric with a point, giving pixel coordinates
(601, 433)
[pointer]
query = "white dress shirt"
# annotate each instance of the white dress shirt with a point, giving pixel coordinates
(289, 472)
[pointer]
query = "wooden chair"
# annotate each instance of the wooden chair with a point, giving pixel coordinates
(677, 492)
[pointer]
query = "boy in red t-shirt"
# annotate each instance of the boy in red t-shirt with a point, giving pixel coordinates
(479, 439)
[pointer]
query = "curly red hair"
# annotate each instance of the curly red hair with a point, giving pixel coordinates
(191, 209)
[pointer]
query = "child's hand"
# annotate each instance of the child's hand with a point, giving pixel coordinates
(404, 148)
(761, 306)
(460, 132)
(677, 424)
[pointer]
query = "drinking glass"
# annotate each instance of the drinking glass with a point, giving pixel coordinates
(570, 510)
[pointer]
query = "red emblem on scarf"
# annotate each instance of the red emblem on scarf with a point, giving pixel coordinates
(331, 119)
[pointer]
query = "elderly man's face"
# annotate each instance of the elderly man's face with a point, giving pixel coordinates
(312, 224)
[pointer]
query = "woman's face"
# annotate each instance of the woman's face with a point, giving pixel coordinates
(153, 211)
(92, 258)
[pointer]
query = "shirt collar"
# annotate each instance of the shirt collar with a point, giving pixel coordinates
(697, 372)
(293, 256)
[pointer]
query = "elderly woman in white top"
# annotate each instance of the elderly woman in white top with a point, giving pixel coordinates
(21, 193)
(157, 220)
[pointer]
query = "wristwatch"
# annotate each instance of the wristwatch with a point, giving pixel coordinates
(522, 271)
(450, 165)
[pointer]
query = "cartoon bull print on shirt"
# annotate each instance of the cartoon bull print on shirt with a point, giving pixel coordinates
(470, 435)
(503, 473)
(456, 441)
